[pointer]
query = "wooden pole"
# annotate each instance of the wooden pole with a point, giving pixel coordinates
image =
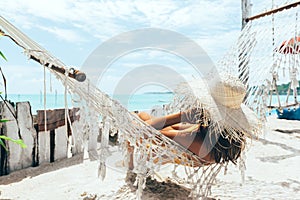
(273, 11)
(246, 11)
(244, 73)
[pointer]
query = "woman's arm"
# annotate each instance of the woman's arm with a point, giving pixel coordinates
(168, 120)
(185, 131)
(161, 122)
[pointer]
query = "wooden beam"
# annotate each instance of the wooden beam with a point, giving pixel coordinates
(286, 106)
(55, 118)
(288, 6)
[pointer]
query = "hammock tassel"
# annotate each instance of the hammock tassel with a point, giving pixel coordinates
(104, 152)
(141, 183)
(102, 170)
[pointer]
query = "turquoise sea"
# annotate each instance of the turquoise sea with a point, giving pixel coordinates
(145, 101)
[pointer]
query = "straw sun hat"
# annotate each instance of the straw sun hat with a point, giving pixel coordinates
(222, 97)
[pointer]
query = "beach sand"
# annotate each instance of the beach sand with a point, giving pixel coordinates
(272, 172)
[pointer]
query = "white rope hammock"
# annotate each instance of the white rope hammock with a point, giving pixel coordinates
(257, 54)
(153, 148)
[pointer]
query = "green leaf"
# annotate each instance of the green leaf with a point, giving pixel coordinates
(1, 54)
(18, 141)
(3, 145)
(21, 143)
(4, 120)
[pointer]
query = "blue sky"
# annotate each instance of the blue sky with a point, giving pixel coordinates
(72, 29)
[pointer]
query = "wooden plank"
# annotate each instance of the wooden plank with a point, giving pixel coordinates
(44, 147)
(27, 133)
(11, 130)
(61, 143)
(55, 118)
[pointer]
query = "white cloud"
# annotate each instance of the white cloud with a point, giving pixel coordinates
(214, 25)
(64, 34)
(107, 18)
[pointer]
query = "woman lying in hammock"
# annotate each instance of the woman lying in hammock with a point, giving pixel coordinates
(217, 128)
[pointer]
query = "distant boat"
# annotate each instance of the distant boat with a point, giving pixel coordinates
(289, 113)
(288, 57)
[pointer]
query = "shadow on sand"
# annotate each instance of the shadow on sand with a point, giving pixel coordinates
(19, 175)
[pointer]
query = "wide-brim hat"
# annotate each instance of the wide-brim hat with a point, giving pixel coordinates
(222, 97)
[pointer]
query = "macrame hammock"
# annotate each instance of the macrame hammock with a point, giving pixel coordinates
(286, 66)
(97, 105)
(253, 53)
(267, 52)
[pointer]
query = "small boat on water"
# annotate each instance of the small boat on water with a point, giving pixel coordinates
(288, 58)
(288, 113)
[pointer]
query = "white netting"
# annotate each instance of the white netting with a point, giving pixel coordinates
(258, 54)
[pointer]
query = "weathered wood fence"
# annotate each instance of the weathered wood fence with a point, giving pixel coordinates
(43, 145)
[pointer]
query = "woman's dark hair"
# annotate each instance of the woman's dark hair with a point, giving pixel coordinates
(222, 148)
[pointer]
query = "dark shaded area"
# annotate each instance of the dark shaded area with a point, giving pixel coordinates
(19, 175)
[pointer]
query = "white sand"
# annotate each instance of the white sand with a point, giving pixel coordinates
(273, 172)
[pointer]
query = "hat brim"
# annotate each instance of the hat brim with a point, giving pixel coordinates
(197, 94)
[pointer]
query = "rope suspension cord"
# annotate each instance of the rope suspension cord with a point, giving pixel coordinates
(288, 94)
(71, 141)
(295, 68)
(274, 73)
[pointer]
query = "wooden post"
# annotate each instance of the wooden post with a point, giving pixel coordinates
(246, 11)
(61, 143)
(27, 133)
(10, 129)
(44, 146)
(243, 67)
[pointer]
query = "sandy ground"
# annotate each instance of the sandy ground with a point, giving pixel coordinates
(272, 173)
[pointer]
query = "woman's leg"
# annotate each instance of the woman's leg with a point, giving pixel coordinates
(130, 150)
(145, 116)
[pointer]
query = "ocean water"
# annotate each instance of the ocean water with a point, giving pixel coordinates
(145, 101)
